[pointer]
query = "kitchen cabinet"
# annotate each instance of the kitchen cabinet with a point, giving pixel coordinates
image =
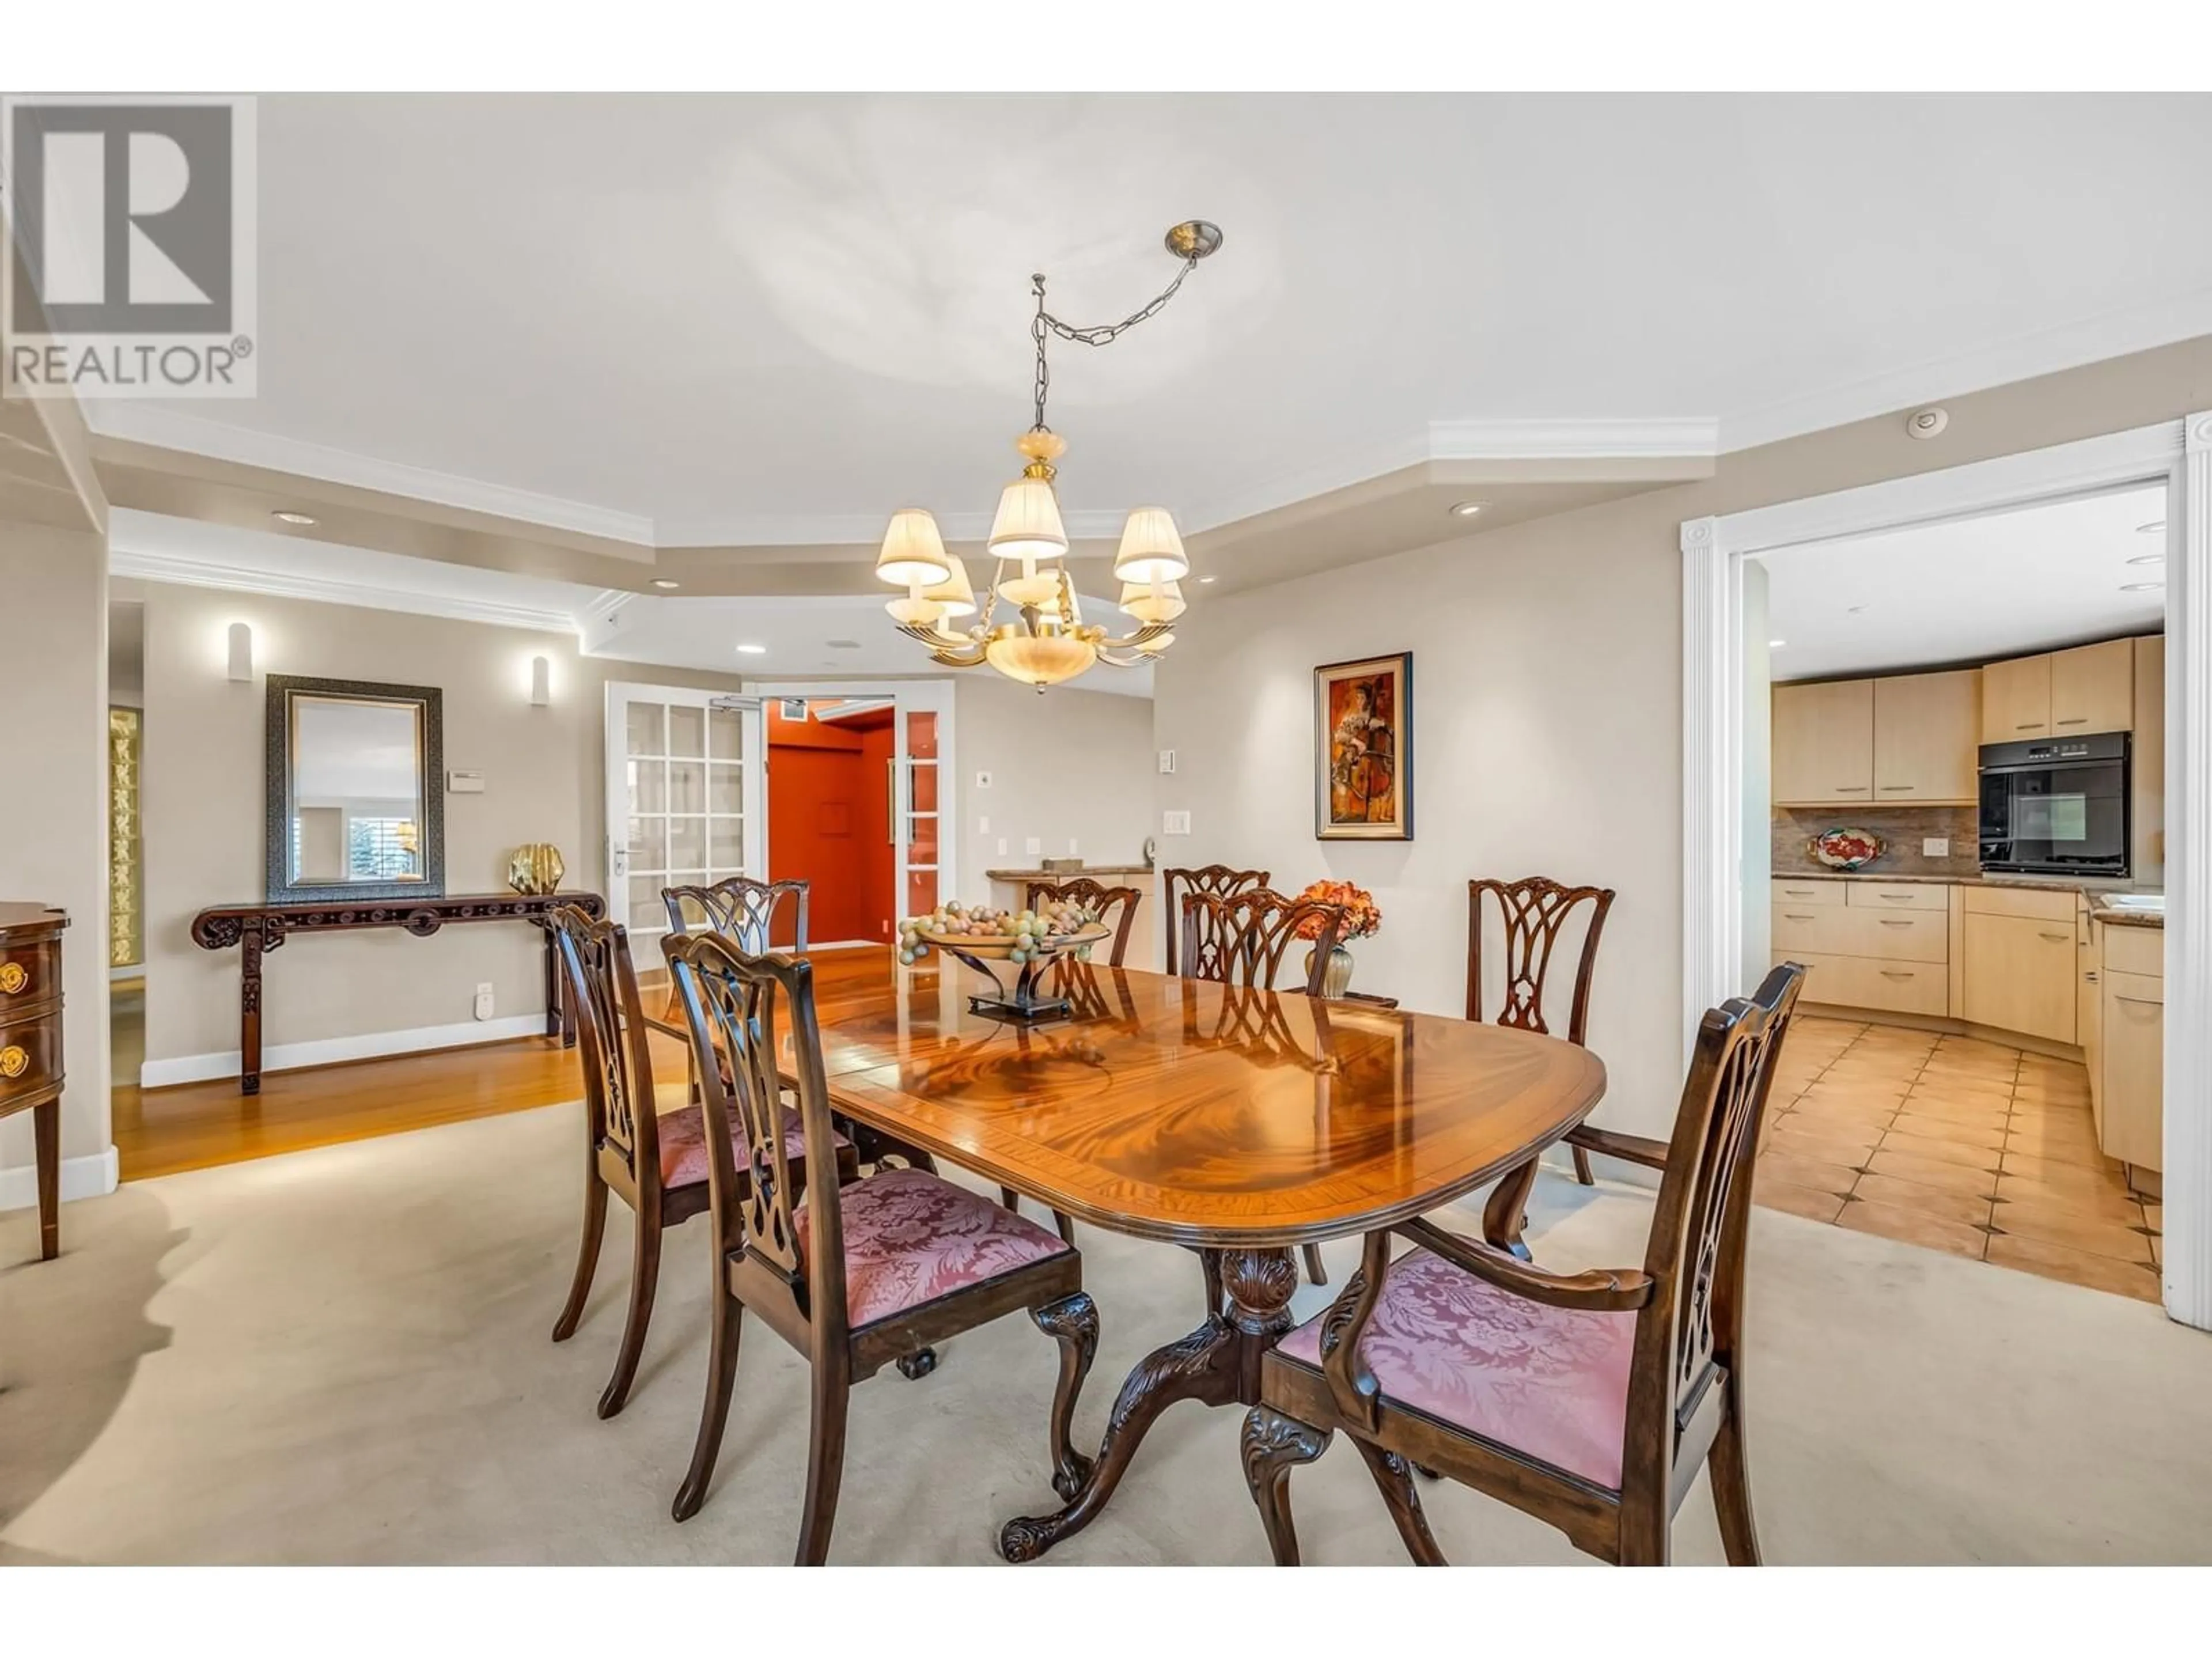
(2020, 975)
(2132, 1126)
(2064, 694)
(1823, 744)
(1924, 748)
(2089, 1008)
(2016, 700)
(2092, 688)
(1882, 945)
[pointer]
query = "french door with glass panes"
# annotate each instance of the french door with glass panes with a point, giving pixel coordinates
(686, 802)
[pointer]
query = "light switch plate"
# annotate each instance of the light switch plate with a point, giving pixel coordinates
(1035, 844)
(1935, 847)
(1167, 760)
(1073, 849)
(1002, 847)
(982, 826)
(464, 783)
(1175, 824)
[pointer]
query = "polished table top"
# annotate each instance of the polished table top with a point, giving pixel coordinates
(1194, 1112)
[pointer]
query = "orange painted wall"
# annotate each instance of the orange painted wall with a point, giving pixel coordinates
(827, 822)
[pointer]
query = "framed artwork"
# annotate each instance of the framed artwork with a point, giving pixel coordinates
(1364, 750)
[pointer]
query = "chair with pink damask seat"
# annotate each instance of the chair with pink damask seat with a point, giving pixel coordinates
(1588, 1400)
(861, 1274)
(655, 1162)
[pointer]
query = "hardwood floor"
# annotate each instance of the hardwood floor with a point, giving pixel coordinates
(196, 1125)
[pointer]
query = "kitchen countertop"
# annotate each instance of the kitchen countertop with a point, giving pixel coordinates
(1035, 874)
(2094, 890)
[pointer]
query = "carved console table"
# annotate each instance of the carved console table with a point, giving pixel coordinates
(256, 929)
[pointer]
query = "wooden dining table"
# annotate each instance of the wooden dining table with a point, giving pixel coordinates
(1240, 1123)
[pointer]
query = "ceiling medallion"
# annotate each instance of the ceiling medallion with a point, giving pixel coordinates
(1045, 642)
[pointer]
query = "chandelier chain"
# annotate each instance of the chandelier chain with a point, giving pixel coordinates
(1044, 326)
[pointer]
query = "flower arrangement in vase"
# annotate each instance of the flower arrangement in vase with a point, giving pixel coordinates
(1362, 919)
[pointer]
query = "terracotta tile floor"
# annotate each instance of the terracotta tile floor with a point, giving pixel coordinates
(1961, 1145)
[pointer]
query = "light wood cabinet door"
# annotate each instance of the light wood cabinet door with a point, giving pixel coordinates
(2132, 1046)
(2089, 1009)
(2016, 700)
(1823, 744)
(2021, 975)
(2092, 688)
(1926, 738)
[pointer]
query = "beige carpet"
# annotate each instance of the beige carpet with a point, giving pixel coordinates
(341, 1356)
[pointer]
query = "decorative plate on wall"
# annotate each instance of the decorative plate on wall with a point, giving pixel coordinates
(1846, 849)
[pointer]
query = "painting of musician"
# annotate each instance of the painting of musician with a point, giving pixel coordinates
(1364, 750)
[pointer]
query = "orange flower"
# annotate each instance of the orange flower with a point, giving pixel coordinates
(1361, 917)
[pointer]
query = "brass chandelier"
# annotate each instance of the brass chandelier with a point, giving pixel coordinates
(1046, 641)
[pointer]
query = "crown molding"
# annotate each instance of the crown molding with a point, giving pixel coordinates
(1671, 437)
(289, 585)
(146, 423)
(2024, 357)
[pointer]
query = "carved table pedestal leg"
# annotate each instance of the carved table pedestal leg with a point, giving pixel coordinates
(249, 1011)
(1218, 1364)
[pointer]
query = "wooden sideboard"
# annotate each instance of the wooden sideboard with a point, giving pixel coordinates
(258, 929)
(31, 1075)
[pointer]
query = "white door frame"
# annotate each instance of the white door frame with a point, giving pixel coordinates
(755, 808)
(1713, 554)
(908, 697)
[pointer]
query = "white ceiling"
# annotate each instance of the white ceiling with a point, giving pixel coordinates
(1970, 590)
(676, 632)
(774, 319)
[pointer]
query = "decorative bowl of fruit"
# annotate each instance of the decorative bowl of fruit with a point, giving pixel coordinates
(979, 935)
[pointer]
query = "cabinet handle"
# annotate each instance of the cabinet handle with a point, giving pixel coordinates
(2090, 977)
(2056, 938)
(1897, 972)
(1791, 916)
(2141, 1002)
(1897, 898)
(1801, 892)
(2029, 725)
(2081, 721)
(1886, 922)
(1850, 788)
(1897, 788)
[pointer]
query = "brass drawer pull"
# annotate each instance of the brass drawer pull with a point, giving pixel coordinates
(13, 1061)
(13, 978)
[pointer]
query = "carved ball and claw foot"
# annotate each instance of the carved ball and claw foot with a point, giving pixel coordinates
(1217, 1364)
(918, 1364)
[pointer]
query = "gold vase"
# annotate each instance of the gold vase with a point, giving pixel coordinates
(1336, 978)
(535, 869)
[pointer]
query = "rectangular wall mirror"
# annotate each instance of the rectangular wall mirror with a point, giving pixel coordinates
(356, 809)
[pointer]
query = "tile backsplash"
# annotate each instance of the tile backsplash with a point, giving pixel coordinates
(1902, 829)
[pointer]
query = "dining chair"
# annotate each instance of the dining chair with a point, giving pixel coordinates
(656, 1163)
(1101, 900)
(1535, 911)
(741, 908)
(859, 1274)
(1588, 1400)
(1214, 880)
(1241, 940)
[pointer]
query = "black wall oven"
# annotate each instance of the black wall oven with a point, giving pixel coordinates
(2059, 807)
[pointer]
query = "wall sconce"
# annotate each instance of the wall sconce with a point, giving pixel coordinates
(541, 682)
(241, 652)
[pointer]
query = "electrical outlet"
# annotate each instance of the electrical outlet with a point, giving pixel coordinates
(982, 826)
(1935, 847)
(1034, 845)
(1167, 760)
(1071, 848)
(484, 1000)
(1175, 824)
(1002, 847)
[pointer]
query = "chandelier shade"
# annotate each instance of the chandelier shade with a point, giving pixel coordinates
(1152, 602)
(1040, 660)
(1152, 548)
(913, 552)
(1028, 525)
(955, 595)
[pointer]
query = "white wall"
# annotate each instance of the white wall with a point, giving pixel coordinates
(1758, 867)
(1067, 766)
(1548, 692)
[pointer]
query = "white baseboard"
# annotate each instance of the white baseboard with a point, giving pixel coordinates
(330, 1051)
(81, 1177)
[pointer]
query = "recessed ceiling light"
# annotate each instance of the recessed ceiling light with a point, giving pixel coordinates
(1776, 644)
(2152, 528)
(1203, 580)
(1856, 609)
(2141, 587)
(752, 650)
(293, 518)
(1468, 509)
(2147, 558)
(666, 582)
